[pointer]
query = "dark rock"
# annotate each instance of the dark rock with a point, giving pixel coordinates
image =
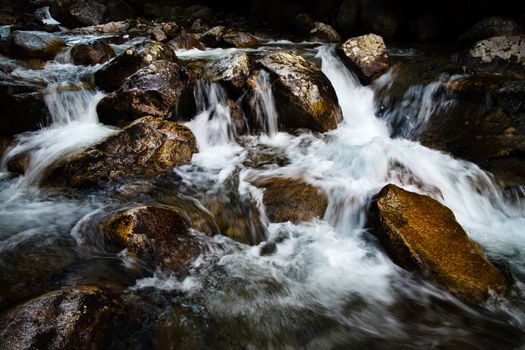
(366, 55)
(96, 52)
(186, 41)
(303, 23)
(6, 142)
(32, 44)
(23, 109)
(292, 200)
(78, 13)
(118, 27)
(304, 96)
(484, 125)
(159, 236)
(83, 317)
(420, 233)
(213, 37)
(118, 10)
(162, 89)
(146, 148)
(112, 75)
(489, 27)
(324, 33)
(231, 71)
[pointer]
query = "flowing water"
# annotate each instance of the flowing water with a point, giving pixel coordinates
(328, 284)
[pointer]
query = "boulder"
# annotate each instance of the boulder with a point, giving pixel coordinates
(118, 27)
(366, 55)
(505, 49)
(287, 199)
(112, 75)
(32, 44)
(5, 143)
(159, 236)
(82, 317)
(240, 40)
(23, 109)
(78, 13)
(489, 27)
(212, 37)
(186, 41)
(324, 33)
(96, 52)
(146, 148)
(304, 96)
(232, 72)
(485, 125)
(162, 89)
(419, 233)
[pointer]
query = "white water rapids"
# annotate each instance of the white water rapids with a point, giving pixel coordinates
(329, 274)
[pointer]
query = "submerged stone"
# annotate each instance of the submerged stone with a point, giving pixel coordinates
(420, 233)
(287, 199)
(32, 44)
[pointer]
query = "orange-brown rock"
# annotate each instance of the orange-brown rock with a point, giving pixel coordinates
(420, 233)
(159, 236)
(287, 199)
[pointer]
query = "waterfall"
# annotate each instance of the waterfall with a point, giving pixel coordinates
(264, 104)
(212, 125)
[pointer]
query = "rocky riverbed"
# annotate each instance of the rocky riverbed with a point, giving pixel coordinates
(198, 179)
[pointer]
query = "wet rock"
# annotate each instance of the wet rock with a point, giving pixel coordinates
(5, 143)
(118, 10)
(287, 199)
(303, 23)
(366, 55)
(23, 109)
(117, 27)
(420, 233)
(304, 96)
(92, 53)
(186, 41)
(231, 71)
(83, 317)
(112, 75)
(146, 148)
(240, 40)
(239, 121)
(489, 27)
(158, 34)
(32, 44)
(324, 33)
(162, 89)
(78, 13)
(19, 164)
(485, 125)
(509, 49)
(212, 37)
(159, 236)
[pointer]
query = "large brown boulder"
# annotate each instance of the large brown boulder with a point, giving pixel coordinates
(146, 148)
(96, 52)
(366, 55)
(159, 236)
(83, 317)
(324, 33)
(419, 233)
(32, 44)
(162, 89)
(287, 199)
(304, 96)
(112, 75)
